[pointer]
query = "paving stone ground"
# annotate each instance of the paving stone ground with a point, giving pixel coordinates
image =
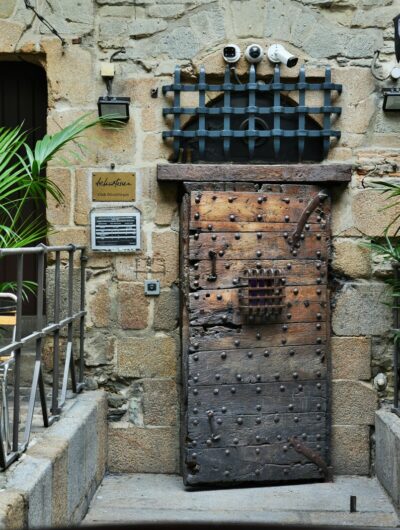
(139, 498)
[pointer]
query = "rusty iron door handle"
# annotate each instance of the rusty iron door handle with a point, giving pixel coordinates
(311, 206)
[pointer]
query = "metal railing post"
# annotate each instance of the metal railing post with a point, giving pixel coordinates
(82, 318)
(17, 353)
(56, 337)
(396, 319)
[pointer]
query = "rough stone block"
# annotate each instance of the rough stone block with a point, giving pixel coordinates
(98, 141)
(351, 258)
(50, 289)
(135, 449)
(13, 510)
(361, 309)
(61, 65)
(34, 479)
(167, 204)
(133, 306)
(351, 358)
(248, 18)
(153, 356)
(7, 8)
(370, 204)
(74, 431)
(166, 248)
(77, 236)
(129, 268)
(140, 28)
(99, 305)
(166, 310)
(11, 33)
(387, 451)
(56, 452)
(99, 349)
(167, 11)
(160, 401)
(59, 213)
(82, 197)
(353, 403)
(350, 450)
(154, 148)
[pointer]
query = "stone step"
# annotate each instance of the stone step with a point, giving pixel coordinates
(147, 498)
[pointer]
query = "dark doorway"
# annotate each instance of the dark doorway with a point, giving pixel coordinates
(23, 100)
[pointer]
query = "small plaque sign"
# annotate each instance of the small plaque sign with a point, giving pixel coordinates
(113, 187)
(115, 231)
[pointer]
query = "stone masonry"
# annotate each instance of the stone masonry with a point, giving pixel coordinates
(133, 349)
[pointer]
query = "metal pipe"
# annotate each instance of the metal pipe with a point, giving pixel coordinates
(56, 337)
(82, 318)
(396, 318)
(17, 353)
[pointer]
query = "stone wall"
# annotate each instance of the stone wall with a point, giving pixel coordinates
(133, 341)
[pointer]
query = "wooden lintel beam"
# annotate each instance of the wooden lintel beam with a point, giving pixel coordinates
(312, 173)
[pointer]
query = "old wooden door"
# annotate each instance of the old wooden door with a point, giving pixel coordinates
(255, 334)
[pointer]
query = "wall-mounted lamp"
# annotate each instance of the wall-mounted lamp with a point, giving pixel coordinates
(116, 107)
(391, 99)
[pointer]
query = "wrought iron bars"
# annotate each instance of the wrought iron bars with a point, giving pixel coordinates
(396, 349)
(252, 88)
(10, 450)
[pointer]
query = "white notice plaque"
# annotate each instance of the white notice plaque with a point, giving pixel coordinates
(115, 231)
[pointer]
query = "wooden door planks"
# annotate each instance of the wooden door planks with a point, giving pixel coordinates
(235, 367)
(271, 245)
(297, 271)
(252, 207)
(251, 387)
(265, 335)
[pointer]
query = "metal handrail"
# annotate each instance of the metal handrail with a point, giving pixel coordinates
(11, 452)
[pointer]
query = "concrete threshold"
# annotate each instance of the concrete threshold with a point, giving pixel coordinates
(147, 498)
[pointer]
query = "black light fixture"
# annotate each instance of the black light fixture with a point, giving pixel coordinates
(113, 107)
(391, 99)
(116, 107)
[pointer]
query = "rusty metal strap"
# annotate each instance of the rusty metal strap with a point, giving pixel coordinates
(311, 206)
(312, 456)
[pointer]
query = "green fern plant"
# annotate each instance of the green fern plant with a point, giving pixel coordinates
(23, 179)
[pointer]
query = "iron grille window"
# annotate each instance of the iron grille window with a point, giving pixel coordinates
(254, 120)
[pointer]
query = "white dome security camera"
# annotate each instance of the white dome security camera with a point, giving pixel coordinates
(254, 53)
(231, 53)
(279, 54)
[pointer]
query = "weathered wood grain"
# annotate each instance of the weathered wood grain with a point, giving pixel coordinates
(229, 226)
(264, 336)
(298, 189)
(297, 363)
(258, 429)
(257, 173)
(273, 398)
(221, 307)
(272, 245)
(264, 382)
(245, 207)
(300, 272)
(266, 463)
